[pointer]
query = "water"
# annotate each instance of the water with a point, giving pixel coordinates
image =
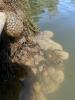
(58, 16)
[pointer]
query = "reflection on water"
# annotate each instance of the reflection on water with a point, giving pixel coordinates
(38, 7)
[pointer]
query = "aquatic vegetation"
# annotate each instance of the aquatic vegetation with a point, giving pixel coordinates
(40, 95)
(63, 55)
(50, 79)
(37, 87)
(34, 61)
(46, 34)
(50, 73)
(43, 65)
(46, 65)
(39, 6)
(58, 76)
(45, 42)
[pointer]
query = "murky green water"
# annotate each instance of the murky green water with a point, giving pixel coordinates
(59, 17)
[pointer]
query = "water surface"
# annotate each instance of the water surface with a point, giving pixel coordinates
(59, 17)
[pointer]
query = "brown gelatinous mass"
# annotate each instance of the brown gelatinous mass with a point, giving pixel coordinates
(14, 26)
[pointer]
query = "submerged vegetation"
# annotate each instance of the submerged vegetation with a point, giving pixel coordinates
(28, 55)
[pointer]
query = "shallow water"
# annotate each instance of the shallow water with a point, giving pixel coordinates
(58, 16)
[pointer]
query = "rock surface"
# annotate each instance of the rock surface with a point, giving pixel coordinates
(2, 21)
